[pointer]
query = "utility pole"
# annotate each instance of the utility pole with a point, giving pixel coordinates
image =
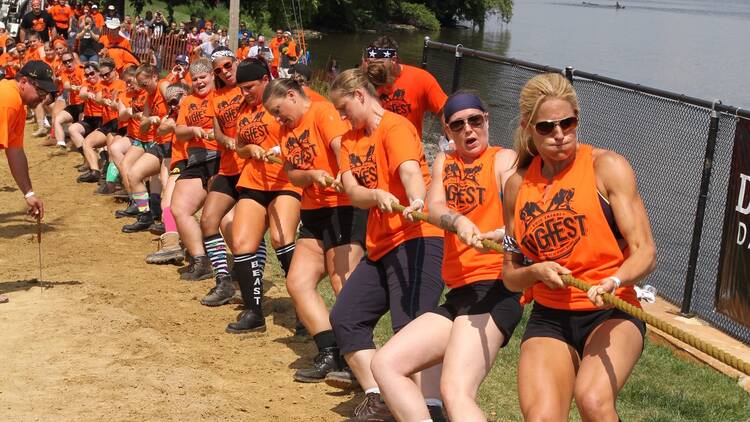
(234, 23)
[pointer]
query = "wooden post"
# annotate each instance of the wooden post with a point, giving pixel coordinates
(234, 23)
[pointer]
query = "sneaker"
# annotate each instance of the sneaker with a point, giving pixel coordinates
(372, 409)
(42, 131)
(343, 379)
(107, 188)
(157, 228)
(144, 221)
(91, 176)
(199, 268)
(221, 294)
(247, 322)
(83, 168)
(170, 251)
(130, 211)
(327, 360)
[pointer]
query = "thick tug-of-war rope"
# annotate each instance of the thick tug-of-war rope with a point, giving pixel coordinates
(620, 304)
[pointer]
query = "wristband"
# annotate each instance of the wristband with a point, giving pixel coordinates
(616, 280)
(28, 194)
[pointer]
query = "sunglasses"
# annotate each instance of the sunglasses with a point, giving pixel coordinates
(69, 61)
(474, 121)
(105, 74)
(225, 66)
(90, 74)
(39, 91)
(547, 126)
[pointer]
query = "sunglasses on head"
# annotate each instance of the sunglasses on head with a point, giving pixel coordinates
(225, 66)
(547, 126)
(474, 121)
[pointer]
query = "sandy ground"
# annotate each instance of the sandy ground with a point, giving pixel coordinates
(111, 338)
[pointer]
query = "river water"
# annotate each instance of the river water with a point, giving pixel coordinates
(692, 47)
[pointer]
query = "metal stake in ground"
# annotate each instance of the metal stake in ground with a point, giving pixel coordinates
(39, 244)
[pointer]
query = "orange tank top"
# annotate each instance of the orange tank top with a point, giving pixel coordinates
(562, 220)
(225, 106)
(255, 125)
(91, 108)
(471, 190)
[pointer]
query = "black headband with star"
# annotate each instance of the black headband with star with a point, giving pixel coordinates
(380, 53)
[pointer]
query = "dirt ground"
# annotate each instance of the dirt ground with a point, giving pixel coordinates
(112, 338)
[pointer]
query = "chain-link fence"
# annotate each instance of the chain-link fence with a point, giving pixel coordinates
(663, 135)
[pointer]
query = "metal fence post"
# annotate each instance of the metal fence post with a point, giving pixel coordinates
(424, 52)
(569, 73)
(457, 68)
(708, 161)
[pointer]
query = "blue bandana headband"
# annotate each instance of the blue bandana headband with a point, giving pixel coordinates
(460, 101)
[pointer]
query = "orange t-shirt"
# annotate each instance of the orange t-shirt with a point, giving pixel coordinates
(98, 19)
(242, 52)
(122, 58)
(108, 42)
(33, 54)
(74, 77)
(256, 126)
(308, 147)
(471, 190)
(193, 112)
(61, 15)
(12, 115)
(90, 108)
(313, 95)
(225, 106)
(157, 107)
(567, 225)
(111, 91)
(137, 101)
(374, 161)
(172, 78)
(4, 39)
(412, 93)
(274, 46)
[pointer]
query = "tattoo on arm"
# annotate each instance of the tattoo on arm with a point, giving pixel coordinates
(448, 220)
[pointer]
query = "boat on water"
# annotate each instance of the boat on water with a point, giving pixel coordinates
(617, 5)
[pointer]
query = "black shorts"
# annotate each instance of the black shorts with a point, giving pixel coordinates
(226, 185)
(572, 327)
(75, 111)
(90, 124)
(405, 281)
(160, 151)
(265, 198)
(111, 127)
(204, 171)
(485, 297)
(178, 168)
(334, 226)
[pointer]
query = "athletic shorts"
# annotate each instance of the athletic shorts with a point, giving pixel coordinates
(178, 168)
(160, 151)
(485, 297)
(334, 226)
(204, 171)
(112, 127)
(226, 185)
(572, 327)
(141, 144)
(90, 124)
(75, 111)
(265, 198)
(406, 281)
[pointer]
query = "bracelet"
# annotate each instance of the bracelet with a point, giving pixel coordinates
(419, 200)
(616, 280)
(28, 194)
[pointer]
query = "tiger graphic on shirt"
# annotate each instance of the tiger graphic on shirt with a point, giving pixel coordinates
(252, 131)
(463, 192)
(396, 102)
(301, 152)
(552, 232)
(364, 168)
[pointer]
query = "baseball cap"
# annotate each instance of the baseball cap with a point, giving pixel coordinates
(95, 7)
(111, 7)
(181, 59)
(41, 73)
(302, 69)
(287, 34)
(113, 23)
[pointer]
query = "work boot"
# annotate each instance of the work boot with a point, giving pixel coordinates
(222, 293)
(106, 188)
(343, 379)
(91, 176)
(82, 168)
(170, 251)
(372, 409)
(199, 268)
(157, 228)
(247, 322)
(327, 360)
(130, 211)
(144, 221)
